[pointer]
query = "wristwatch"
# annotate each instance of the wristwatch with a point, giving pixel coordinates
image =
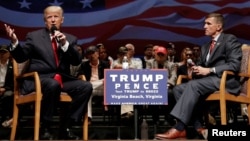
(212, 70)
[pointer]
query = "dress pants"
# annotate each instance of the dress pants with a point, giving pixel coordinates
(189, 95)
(98, 90)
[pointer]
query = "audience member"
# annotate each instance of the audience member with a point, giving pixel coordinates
(74, 70)
(6, 86)
(160, 62)
(197, 53)
(117, 64)
(134, 63)
(185, 67)
(183, 56)
(103, 55)
(41, 49)
(172, 53)
(154, 48)
(222, 53)
(93, 69)
(148, 55)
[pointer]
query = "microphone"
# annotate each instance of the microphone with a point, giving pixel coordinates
(53, 29)
(190, 62)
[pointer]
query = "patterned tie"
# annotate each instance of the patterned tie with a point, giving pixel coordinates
(212, 45)
(57, 77)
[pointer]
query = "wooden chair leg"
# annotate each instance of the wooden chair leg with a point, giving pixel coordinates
(85, 127)
(248, 113)
(14, 124)
(37, 120)
(223, 112)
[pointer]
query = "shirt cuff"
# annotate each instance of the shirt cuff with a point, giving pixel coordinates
(65, 46)
(13, 45)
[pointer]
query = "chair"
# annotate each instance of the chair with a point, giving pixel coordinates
(223, 96)
(35, 97)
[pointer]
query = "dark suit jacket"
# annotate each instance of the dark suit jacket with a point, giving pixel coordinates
(226, 55)
(85, 69)
(38, 50)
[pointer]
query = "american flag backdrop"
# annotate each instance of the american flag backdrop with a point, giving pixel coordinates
(117, 22)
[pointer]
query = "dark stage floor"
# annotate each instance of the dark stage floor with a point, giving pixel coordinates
(103, 127)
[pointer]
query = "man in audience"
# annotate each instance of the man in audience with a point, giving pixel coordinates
(93, 69)
(134, 63)
(197, 53)
(160, 62)
(6, 86)
(75, 69)
(172, 53)
(222, 53)
(148, 55)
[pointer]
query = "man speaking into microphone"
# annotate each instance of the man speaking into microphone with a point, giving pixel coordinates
(51, 52)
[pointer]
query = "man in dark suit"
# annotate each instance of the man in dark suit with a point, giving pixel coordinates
(52, 62)
(226, 55)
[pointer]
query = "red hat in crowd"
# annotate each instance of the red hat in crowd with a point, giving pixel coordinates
(161, 50)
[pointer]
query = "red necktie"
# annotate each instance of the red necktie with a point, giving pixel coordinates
(212, 45)
(54, 45)
(57, 77)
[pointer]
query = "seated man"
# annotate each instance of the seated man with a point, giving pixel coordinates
(160, 62)
(93, 69)
(6, 86)
(50, 53)
(133, 63)
(222, 53)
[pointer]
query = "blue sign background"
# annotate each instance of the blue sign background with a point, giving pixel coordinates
(135, 86)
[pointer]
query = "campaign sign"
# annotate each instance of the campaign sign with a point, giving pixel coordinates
(135, 86)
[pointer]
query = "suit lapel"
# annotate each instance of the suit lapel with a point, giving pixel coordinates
(217, 45)
(214, 51)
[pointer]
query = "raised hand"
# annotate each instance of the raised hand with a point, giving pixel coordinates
(11, 33)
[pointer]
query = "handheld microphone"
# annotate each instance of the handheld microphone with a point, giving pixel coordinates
(190, 62)
(53, 29)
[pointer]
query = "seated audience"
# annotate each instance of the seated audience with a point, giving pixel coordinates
(185, 67)
(148, 55)
(197, 53)
(172, 53)
(134, 63)
(160, 62)
(74, 69)
(93, 69)
(103, 54)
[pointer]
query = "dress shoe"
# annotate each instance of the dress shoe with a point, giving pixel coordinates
(202, 132)
(45, 134)
(67, 134)
(171, 134)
